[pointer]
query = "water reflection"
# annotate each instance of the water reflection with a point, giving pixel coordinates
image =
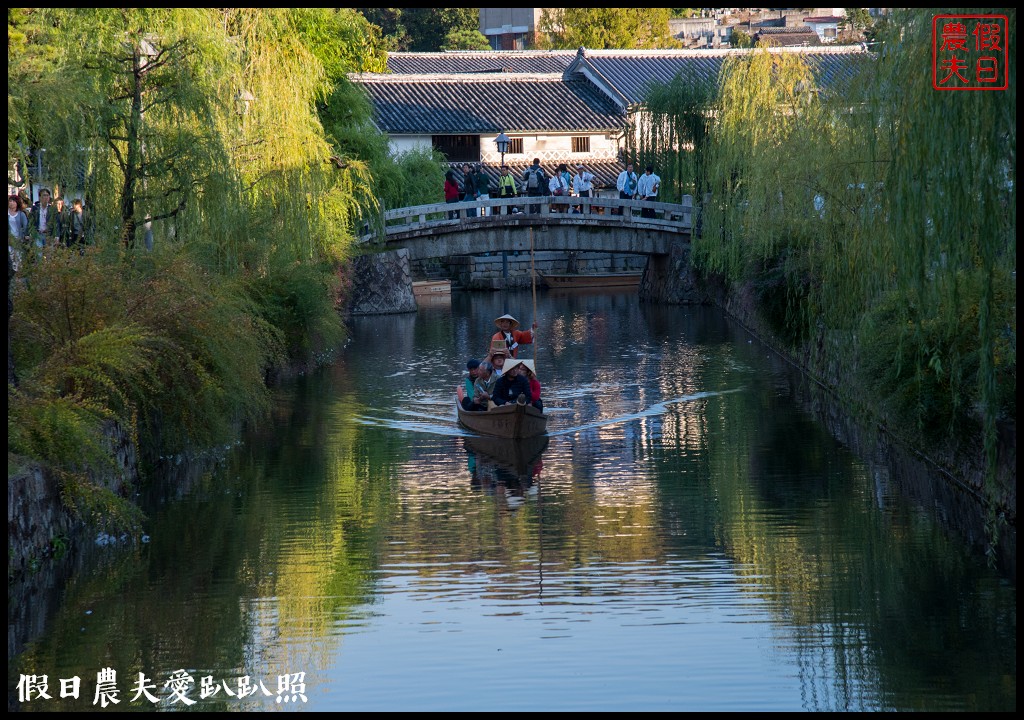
(685, 537)
(504, 467)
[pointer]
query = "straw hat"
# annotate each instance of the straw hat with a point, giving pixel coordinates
(528, 364)
(506, 316)
(510, 364)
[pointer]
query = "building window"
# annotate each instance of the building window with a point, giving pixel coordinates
(581, 144)
(458, 148)
(509, 41)
(515, 146)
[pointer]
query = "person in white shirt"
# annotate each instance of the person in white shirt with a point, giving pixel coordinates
(559, 186)
(582, 184)
(647, 188)
(627, 184)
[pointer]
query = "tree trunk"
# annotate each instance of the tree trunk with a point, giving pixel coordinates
(133, 156)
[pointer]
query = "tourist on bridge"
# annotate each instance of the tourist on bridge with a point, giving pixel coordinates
(582, 184)
(469, 193)
(627, 185)
(559, 186)
(509, 334)
(506, 188)
(483, 187)
(451, 192)
(647, 189)
(535, 182)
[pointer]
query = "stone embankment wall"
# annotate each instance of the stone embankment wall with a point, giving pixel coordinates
(38, 519)
(949, 480)
(381, 284)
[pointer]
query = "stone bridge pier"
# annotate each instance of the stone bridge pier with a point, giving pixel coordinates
(670, 278)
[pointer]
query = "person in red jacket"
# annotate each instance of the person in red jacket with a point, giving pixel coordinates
(531, 375)
(451, 192)
(509, 333)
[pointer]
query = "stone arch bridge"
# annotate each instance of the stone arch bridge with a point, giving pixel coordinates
(382, 280)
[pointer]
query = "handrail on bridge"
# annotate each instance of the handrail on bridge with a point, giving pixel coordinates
(682, 217)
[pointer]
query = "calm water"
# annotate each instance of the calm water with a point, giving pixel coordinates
(686, 538)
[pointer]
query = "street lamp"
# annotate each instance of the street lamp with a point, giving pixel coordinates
(502, 142)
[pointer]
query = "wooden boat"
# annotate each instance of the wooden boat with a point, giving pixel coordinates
(507, 421)
(594, 280)
(431, 288)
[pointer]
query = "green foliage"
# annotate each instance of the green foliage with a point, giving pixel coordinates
(782, 288)
(673, 134)
(860, 213)
(762, 189)
(741, 39)
(422, 177)
(602, 28)
(857, 20)
(465, 39)
(290, 297)
(205, 124)
(164, 348)
(422, 29)
(341, 39)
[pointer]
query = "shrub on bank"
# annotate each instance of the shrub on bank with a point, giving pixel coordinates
(173, 354)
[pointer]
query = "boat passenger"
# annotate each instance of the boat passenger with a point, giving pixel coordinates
(497, 357)
(483, 388)
(509, 334)
(472, 366)
(531, 377)
(511, 385)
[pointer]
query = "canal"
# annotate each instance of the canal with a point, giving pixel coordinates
(687, 537)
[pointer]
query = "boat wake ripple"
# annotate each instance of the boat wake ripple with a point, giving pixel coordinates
(447, 425)
(654, 410)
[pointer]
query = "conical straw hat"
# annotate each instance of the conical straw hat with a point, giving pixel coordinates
(529, 365)
(509, 364)
(506, 316)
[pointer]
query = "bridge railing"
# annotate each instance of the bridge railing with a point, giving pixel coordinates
(679, 217)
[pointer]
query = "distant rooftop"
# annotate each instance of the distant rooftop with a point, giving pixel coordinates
(629, 73)
(477, 61)
(461, 103)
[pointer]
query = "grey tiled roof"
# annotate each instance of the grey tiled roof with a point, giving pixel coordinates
(487, 103)
(632, 71)
(786, 37)
(466, 61)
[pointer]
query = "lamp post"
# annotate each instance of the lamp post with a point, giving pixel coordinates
(502, 142)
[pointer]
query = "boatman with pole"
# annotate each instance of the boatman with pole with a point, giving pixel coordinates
(511, 335)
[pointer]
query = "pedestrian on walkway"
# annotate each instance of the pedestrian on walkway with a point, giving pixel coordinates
(647, 189)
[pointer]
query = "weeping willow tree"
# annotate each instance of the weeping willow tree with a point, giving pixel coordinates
(671, 134)
(941, 249)
(218, 221)
(876, 217)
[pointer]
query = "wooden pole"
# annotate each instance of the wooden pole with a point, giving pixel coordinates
(533, 279)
